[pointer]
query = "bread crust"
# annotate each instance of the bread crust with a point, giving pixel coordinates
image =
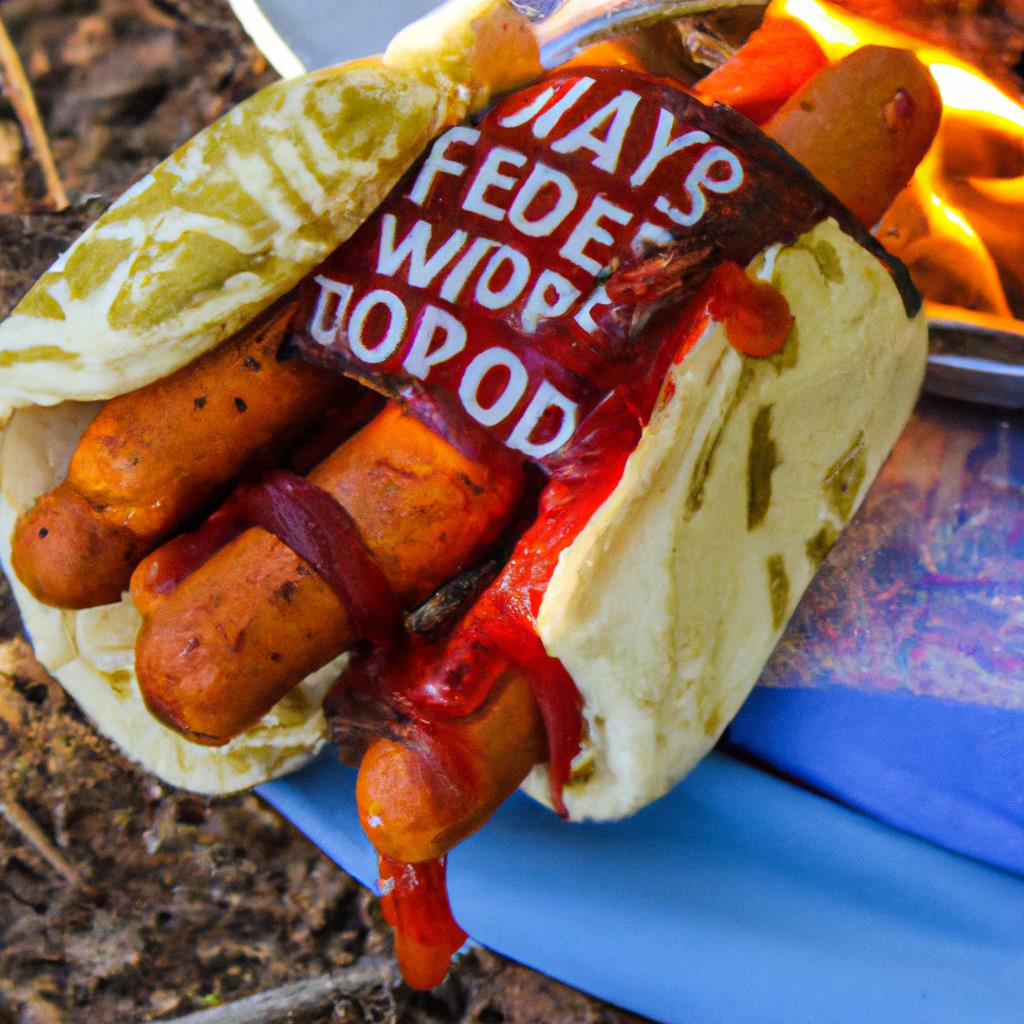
(667, 606)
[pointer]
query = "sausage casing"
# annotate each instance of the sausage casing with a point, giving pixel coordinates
(221, 649)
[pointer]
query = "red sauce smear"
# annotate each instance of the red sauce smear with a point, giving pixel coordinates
(414, 900)
(170, 565)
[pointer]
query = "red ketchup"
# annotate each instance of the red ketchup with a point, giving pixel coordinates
(756, 316)
(524, 291)
(414, 899)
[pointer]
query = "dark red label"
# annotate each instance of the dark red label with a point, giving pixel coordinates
(484, 292)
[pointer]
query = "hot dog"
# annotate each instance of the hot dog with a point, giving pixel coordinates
(409, 810)
(708, 447)
(187, 655)
(772, 65)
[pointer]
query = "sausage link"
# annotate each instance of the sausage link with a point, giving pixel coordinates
(216, 653)
(416, 804)
(862, 126)
(153, 457)
(68, 554)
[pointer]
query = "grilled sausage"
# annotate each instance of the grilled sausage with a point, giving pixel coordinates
(217, 652)
(153, 457)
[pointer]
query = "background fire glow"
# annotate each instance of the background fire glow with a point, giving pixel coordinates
(959, 225)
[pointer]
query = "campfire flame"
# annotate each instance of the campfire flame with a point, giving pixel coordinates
(958, 225)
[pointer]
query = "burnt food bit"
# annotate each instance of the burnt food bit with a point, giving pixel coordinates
(761, 463)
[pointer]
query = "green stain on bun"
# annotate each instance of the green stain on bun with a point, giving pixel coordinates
(787, 356)
(821, 544)
(40, 303)
(165, 280)
(89, 267)
(825, 255)
(701, 469)
(36, 354)
(762, 461)
(709, 449)
(845, 478)
(778, 590)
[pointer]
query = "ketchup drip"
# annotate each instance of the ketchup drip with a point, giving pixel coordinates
(414, 900)
(756, 316)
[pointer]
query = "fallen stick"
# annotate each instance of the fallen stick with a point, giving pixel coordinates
(19, 91)
(18, 818)
(290, 1003)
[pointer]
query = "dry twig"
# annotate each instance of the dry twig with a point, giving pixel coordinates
(296, 1001)
(18, 818)
(19, 91)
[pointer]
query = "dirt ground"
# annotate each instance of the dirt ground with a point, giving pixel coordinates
(182, 903)
(167, 903)
(121, 899)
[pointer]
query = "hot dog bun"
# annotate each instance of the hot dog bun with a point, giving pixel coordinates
(215, 234)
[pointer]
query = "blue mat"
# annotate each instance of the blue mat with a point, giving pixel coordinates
(738, 898)
(742, 898)
(899, 687)
(952, 773)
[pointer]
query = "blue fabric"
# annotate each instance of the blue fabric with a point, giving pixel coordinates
(738, 898)
(953, 773)
(741, 898)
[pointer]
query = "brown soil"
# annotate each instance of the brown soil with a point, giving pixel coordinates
(184, 903)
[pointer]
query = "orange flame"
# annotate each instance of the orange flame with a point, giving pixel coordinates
(956, 226)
